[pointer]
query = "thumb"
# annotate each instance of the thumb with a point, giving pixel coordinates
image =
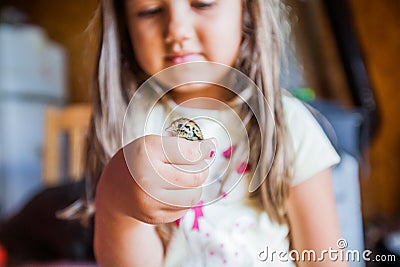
(208, 148)
(184, 152)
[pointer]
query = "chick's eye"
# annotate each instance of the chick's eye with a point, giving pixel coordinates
(149, 12)
(203, 5)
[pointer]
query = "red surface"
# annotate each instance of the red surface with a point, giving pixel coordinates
(3, 256)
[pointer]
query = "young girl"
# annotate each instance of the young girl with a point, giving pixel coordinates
(152, 209)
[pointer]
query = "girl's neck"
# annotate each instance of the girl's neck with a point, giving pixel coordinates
(201, 96)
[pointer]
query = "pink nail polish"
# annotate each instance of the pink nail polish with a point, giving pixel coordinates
(212, 153)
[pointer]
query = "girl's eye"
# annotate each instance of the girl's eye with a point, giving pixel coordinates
(202, 5)
(149, 12)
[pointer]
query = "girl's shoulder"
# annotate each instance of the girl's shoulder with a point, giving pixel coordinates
(293, 108)
(312, 149)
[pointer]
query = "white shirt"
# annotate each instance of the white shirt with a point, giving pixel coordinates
(223, 230)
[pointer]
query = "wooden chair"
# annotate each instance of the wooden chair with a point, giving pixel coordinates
(72, 121)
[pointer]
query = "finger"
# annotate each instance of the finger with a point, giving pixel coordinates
(179, 199)
(166, 206)
(160, 176)
(184, 176)
(180, 151)
(175, 198)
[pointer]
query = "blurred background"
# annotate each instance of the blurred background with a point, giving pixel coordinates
(343, 61)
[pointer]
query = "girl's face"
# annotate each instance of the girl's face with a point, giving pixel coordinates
(169, 32)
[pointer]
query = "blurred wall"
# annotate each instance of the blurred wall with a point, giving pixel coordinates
(378, 28)
(316, 51)
(65, 23)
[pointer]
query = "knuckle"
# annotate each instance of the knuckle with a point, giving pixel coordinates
(138, 176)
(150, 218)
(149, 142)
(139, 148)
(196, 179)
(157, 217)
(147, 146)
(151, 213)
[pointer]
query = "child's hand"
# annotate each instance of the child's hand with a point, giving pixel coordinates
(155, 179)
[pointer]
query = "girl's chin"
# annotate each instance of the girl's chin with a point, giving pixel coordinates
(200, 93)
(192, 72)
(191, 90)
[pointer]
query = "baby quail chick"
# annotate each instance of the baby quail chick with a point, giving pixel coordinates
(185, 128)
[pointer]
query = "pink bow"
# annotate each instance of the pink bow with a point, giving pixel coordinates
(198, 212)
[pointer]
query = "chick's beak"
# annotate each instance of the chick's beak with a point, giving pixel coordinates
(170, 129)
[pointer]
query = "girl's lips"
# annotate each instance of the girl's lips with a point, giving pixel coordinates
(177, 59)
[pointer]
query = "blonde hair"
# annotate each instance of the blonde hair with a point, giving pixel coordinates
(119, 75)
(264, 31)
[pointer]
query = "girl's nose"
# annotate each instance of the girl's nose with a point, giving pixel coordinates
(179, 26)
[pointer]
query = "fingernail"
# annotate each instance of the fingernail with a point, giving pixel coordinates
(212, 153)
(214, 141)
